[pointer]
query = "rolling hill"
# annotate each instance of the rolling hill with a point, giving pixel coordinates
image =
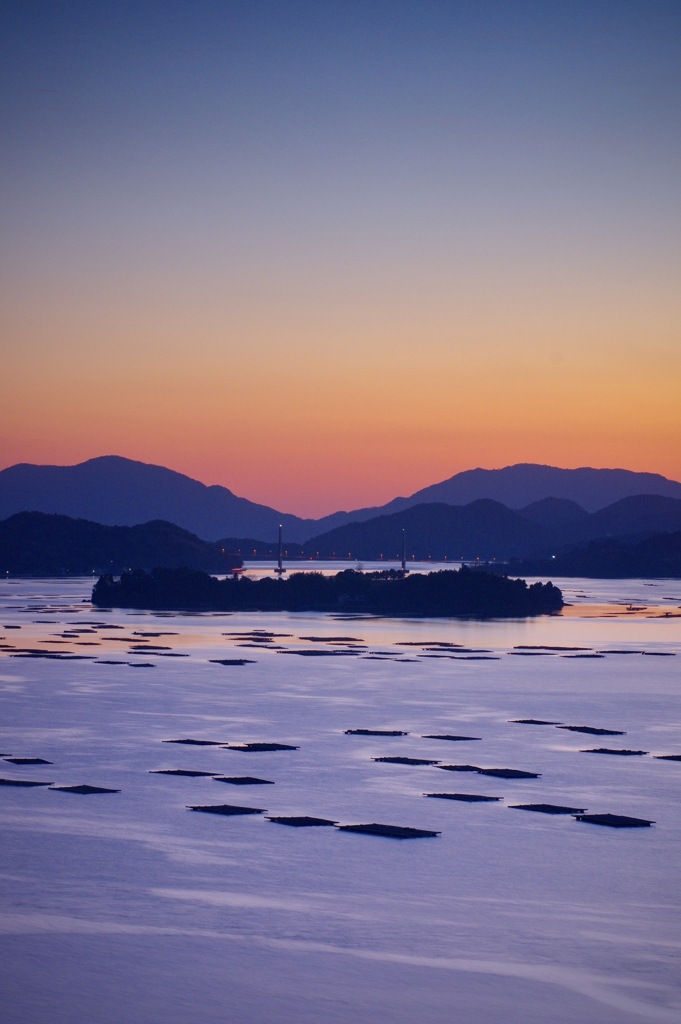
(488, 530)
(34, 543)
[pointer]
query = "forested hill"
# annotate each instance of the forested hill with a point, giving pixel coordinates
(614, 558)
(486, 529)
(36, 544)
(448, 593)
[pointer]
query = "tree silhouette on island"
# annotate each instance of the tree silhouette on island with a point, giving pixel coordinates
(463, 592)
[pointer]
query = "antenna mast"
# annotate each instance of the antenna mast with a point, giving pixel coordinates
(280, 568)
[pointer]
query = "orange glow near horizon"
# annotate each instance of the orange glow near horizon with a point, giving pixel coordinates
(316, 421)
(323, 290)
(313, 443)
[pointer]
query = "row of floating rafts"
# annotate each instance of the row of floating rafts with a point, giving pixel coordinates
(373, 828)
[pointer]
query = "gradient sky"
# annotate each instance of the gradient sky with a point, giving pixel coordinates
(325, 253)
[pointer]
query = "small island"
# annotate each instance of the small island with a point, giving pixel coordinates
(463, 592)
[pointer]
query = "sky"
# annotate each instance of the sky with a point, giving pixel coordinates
(327, 253)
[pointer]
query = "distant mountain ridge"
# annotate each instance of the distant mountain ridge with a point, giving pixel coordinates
(116, 491)
(488, 530)
(526, 483)
(121, 492)
(520, 485)
(37, 544)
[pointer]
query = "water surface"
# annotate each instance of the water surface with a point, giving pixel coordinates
(129, 906)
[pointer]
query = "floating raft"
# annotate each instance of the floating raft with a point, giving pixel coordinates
(667, 757)
(614, 820)
(532, 654)
(426, 643)
(548, 808)
(198, 743)
(532, 721)
(591, 730)
(83, 790)
(392, 831)
(470, 657)
(610, 750)
(545, 647)
(454, 739)
(375, 732)
(405, 760)
(51, 656)
(22, 782)
(35, 652)
(468, 798)
(190, 773)
(27, 760)
(301, 821)
(322, 654)
(232, 661)
(259, 747)
(243, 780)
(497, 773)
(258, 645)
(582, 655)
(227, 809)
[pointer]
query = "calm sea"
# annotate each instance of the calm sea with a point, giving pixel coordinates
(128, 906)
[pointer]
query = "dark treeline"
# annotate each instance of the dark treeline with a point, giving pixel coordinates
(614, 558)
(34, 543)
(447, 593)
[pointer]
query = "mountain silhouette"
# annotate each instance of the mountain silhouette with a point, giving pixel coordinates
(36, 543)
(122, 492)
(483, 529)
(488, 530)
(524, 484)
(556, 513)
(641, 514)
